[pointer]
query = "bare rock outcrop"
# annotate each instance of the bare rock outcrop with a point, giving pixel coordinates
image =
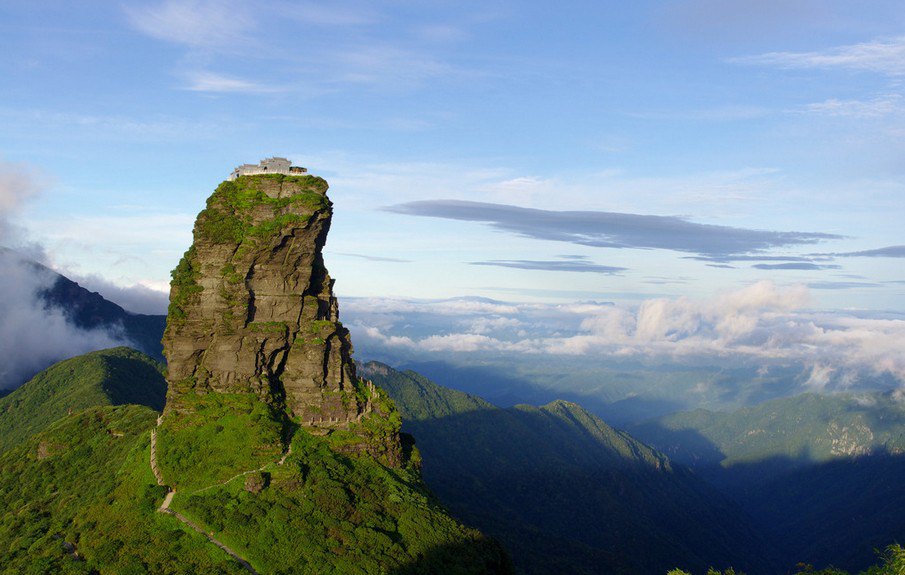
(252, 308)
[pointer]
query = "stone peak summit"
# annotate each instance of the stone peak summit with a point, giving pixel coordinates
(252, 310)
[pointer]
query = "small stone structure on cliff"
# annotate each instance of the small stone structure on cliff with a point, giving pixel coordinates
(274, 165)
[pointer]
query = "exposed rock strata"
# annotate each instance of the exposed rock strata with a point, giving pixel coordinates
(252, 308)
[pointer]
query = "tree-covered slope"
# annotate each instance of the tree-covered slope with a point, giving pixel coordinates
(798, 430)
(115, 376)
(834, 513)
(564, 491)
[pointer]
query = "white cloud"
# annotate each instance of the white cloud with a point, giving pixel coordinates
(820, 377)
(318, 52)
(196, 23)
(484, 325)
(878, 107)
(19, 183)
(462, 342)
(33, 336)
(202, 81)
(881, 56)
(761, 324)
(374, 334)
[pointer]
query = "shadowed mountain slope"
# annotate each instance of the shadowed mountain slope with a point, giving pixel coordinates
(564, 491)
(90, 310)
(820, 474)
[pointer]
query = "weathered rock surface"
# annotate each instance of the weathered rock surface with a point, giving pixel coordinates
(252, 308)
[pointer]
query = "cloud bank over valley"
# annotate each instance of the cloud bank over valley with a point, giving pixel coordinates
(761, 325)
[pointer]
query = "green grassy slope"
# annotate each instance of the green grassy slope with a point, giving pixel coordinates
(564, 491)
(325, 513)
(115, 376)
(320, 510)
(80, 498)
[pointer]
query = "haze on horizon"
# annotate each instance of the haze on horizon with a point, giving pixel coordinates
(728, 173)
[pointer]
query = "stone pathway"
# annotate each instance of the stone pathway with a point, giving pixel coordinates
(210, 537)
(165, 506)
(244, 473)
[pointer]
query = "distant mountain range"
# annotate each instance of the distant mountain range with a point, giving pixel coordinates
(89, 310)
(821, 475)
(563, 491)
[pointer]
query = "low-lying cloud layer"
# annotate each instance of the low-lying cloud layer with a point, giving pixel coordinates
(32, 335)
(762, 324)
(612, 229)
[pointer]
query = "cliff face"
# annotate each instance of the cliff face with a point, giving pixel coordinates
(252, 307)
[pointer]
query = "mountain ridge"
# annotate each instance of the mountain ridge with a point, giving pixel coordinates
(531, 475)
(116, 376)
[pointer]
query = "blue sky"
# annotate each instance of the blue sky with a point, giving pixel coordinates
(699, 146)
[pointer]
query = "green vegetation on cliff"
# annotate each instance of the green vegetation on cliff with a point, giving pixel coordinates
(115, 376)
(230, 213)
(184, 286)
(323, 512)
(214, 436)
(232, 217)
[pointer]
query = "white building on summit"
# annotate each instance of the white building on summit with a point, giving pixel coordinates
(268, 166)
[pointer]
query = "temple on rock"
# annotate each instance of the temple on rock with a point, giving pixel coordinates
(273, 165)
